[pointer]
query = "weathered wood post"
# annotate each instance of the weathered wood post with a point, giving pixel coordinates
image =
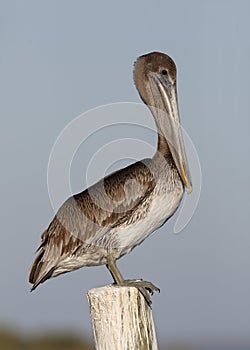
(121, 319)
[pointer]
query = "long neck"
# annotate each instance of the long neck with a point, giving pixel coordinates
(158, 110)
(162, 146)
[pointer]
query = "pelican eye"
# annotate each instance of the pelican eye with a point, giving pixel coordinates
(164, 72)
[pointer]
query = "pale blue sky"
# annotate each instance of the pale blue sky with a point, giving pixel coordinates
(61, 58)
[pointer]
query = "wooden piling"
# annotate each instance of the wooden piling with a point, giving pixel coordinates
(121, 319)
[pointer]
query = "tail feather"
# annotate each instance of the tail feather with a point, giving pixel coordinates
(35, 268)
(40, 271)
(42, 279)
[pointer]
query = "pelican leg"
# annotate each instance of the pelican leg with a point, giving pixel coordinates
(145, 288)
(113, 269)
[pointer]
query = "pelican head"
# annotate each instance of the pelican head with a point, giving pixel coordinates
(155, 80)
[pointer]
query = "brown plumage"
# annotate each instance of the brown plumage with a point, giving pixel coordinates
(80, 217)
(107, 220)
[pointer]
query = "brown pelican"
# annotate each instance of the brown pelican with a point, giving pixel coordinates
(109, 219)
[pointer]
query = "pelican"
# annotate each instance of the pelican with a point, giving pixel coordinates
(112, 217)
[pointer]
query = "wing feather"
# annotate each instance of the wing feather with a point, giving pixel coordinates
(90, 213)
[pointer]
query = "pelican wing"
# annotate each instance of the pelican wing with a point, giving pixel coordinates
(89, 215)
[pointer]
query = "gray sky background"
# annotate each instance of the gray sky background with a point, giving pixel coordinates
(61, 58)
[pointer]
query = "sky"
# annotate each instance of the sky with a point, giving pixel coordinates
(60, 59)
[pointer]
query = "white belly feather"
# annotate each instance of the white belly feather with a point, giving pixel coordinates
(161, 206)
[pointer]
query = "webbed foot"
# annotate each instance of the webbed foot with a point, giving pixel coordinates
(145, 288)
